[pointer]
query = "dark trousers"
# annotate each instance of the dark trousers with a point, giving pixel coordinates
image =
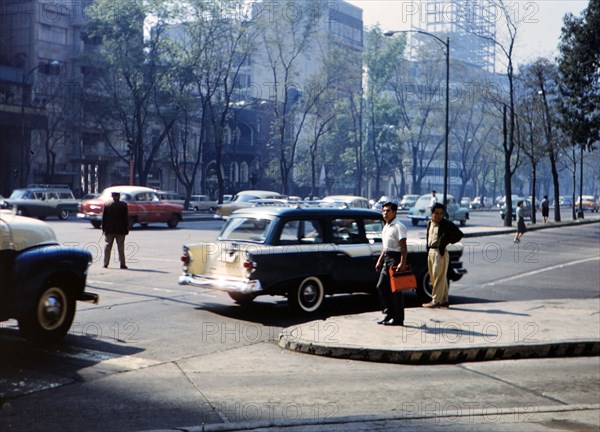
(393, 302)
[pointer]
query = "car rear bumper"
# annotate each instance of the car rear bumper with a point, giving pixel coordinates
(90, 216)
(456, 271)
(241, 286)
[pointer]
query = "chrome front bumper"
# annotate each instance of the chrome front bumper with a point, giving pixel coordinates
(242, 286)
(90, 216)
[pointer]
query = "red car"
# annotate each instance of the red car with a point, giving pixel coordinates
(144, 206)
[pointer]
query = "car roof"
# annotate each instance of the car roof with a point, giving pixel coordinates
(127, 189)
(306, 212)
(343, 198)
(257, 192)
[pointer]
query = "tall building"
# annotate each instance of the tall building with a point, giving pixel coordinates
(470, 25)
(40, 47)
(296, 43)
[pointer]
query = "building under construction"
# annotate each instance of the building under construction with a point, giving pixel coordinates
(470, 25)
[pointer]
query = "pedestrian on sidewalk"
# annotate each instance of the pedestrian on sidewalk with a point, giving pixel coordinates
(521, 228)
(545, 206)
(440, 233)
(115, 226)
(434, 199)
(393, 255)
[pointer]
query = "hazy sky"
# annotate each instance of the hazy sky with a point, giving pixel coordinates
(538, 34)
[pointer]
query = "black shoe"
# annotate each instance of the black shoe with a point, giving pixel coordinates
(105, 266)
(384, 320)
(393, 322)
(124, 267)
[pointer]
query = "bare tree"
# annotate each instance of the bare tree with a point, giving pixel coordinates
(506, 44)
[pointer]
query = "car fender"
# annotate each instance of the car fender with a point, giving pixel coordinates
(275, 274)
(35, 266)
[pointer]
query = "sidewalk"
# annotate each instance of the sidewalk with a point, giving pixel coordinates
(472, 332)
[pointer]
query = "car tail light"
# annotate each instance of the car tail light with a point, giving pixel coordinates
(249, 264)
(185, 258)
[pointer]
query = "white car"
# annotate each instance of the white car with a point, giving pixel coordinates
(422, 210)
(244, 199)
(202, 203)
(345, 201)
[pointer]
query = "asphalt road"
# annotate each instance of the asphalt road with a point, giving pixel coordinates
(156, 355)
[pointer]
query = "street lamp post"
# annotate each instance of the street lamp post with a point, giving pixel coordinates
(446, 45)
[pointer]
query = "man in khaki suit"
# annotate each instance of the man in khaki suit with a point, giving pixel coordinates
(440, 233)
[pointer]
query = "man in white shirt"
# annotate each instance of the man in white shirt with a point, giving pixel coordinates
(393, 255)
(433, 198)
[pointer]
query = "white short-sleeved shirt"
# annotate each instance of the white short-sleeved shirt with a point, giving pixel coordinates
(392, 234)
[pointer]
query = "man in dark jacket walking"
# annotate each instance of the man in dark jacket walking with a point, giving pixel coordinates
(440, 233)
(115, 226)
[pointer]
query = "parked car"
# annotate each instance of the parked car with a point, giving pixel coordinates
(566, 201)
(525, 211)
(382, 200)
(142, 202)
(244, 199)
(588, 203)
(303, 253)
(171, 197)
(345, 201)
(42, 201)
(202, 203)
(502, 199)
(465, 202)
(477, 204)
(41, 280)
(408, 201)
(421, 211)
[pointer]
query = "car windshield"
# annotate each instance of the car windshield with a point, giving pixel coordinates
(245, 229)
(245, 198)
(22, 194)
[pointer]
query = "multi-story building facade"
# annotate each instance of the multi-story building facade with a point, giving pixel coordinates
(48, 135)
(471, 33)
(295, 42)
(40, 47)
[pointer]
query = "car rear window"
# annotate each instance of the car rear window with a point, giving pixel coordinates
(245, 229)
(295, 232)
(346, 231)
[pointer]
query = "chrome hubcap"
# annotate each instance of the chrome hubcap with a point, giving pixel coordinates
(52, 310)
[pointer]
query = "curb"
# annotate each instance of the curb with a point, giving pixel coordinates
(275, 424)
(532, 227)
(574, 348)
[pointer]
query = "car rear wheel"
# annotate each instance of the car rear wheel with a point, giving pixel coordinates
(96, 224)
(48, 320)
(241, 299)
(463, 222)
(415, 222)
(173, 221)
(64, 214)
(424, 287)
(308, 297)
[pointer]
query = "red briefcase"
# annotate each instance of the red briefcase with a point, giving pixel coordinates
(401, 281)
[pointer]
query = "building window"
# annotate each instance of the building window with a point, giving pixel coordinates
(53, 34)
(244, 173)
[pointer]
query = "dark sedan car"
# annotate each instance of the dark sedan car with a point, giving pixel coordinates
(40, 280)
(301, 253)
